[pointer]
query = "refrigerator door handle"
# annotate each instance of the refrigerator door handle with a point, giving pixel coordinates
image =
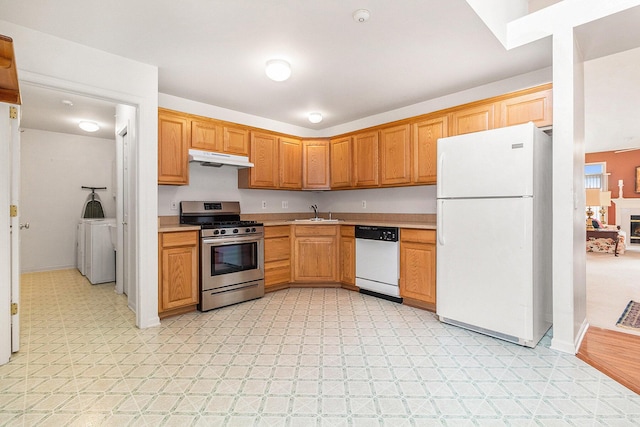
(439, 229)
(439, 174)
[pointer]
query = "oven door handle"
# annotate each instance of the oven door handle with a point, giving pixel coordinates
(225, 242)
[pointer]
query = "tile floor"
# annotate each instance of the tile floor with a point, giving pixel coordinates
(299, 357)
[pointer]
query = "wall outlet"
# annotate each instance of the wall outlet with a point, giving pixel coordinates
(364, 204)
(264, 204)
(174, 205)
(285, 204)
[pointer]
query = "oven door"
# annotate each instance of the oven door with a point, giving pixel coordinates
(231, 261)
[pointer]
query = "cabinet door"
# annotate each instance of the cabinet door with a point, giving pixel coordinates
(173, 150)
(315, 259)
(206, 135)
(290, 163)
(473, 119)
(347, 255)
(395, 155)
(236, 140)
(264, 155)
(315, 164)
(534, 107)
(425, 138)
(341, 163)
(418, 265)
(365, 159)
(179, 270)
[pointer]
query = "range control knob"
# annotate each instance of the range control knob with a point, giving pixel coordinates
(216, 232)
(253, 230)
(235, 231)
(223, 231)
(248, 230)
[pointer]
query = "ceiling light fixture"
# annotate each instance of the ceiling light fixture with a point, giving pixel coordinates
(89, 126)
(67, 103)
(361, 15)
(278, 70)
(315, 117)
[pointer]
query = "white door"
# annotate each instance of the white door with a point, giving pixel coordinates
(9, 230)
(493, 163)
(15, 230)
(485, 264)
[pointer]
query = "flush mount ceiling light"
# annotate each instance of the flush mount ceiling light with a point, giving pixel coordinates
(315, 117)
(67, 103)
(89, 126)
(361, 15)
(278, 70)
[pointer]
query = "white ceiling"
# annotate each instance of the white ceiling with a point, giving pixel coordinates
(214, 52)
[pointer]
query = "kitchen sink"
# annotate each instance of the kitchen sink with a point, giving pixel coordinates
(315, 220)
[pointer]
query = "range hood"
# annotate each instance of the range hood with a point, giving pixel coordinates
(208, 158)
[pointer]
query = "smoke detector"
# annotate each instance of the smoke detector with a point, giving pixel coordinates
(361, 15)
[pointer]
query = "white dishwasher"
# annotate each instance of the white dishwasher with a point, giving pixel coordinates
(378, 261)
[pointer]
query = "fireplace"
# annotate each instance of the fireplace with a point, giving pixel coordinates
(634, 226)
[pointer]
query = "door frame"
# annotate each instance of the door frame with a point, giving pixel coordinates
(143, 318)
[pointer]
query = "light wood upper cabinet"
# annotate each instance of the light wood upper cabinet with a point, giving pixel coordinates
(418, 267)
(264, 155)
(315, 164)
(341, 162)
(235, 140)
(206, 135)
(178, 272)
(473, 119)
(395, 155)
(173, 149)
(424, 148)
(290, 163)
(365, 160)
(533, 107)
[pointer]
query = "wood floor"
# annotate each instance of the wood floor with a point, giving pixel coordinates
(615, 354)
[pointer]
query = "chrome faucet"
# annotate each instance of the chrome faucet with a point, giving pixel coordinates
(315, 210)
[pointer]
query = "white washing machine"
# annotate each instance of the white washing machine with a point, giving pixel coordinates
(96, 258)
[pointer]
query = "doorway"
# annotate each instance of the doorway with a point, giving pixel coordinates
(52, 115)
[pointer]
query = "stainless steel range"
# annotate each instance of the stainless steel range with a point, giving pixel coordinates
(231, 253)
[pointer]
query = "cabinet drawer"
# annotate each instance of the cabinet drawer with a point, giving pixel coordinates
(420, 236)
(316, 230)
(277, 248)
(277, 272)
(348, 231)
(276, 231)
(179, 238)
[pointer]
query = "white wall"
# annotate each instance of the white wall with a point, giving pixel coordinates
(54, 167)
(208, 183)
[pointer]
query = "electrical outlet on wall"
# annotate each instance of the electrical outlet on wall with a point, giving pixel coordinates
(264, 204)
(285, 204)
(174, 205)
(364, 204)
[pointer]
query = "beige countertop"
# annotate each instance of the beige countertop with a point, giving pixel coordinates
(417, 225)
(177, 227)
(416, 221)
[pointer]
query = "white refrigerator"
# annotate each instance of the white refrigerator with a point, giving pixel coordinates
(494, 233)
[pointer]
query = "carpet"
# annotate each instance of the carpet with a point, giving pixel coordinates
(630, 317)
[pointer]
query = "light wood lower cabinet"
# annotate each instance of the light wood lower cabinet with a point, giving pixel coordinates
(277, 257)
(177, 272)
(315, 253)
(418, 268)
(348, 256)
